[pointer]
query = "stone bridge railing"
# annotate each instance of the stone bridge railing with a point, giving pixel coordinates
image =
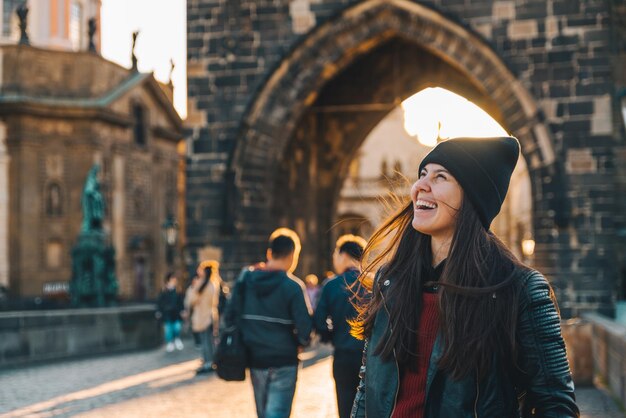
(608, 349)
(32, 336)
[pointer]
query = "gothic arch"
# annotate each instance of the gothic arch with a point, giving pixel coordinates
(295, 83)
(280, 109)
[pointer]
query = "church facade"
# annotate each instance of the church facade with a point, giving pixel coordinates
(61, 112)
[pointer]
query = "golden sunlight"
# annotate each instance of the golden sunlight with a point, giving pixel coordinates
(435, 113)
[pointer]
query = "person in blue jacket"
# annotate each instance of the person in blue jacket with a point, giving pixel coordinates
(334, 310)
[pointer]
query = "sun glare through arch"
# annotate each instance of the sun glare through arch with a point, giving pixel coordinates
(435, 113)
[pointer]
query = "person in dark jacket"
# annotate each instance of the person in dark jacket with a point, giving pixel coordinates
(456, 326)
(170, 310)
(276, 324)
(334, 310)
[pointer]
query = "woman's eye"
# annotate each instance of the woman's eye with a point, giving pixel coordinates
(422, 174)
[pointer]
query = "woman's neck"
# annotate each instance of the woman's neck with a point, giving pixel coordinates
(440, 248)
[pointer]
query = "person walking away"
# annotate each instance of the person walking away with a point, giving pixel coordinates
(312, 288)
(203, 300)
(334, 310)
(170, 310)
(276, 323)
(456, 326)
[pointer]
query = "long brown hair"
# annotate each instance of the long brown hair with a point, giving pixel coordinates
(477, 299)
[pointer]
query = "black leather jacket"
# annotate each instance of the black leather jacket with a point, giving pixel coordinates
(544, 390)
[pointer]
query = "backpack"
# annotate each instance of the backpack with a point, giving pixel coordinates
(231, 357)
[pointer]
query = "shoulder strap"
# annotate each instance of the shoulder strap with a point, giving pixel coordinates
(241, 289)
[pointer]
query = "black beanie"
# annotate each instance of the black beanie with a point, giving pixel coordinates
(483, 168)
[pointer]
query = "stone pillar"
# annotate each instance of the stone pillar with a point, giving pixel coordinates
(4, 207)
(118, 205)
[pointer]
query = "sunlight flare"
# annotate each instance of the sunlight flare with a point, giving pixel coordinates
(434, 114)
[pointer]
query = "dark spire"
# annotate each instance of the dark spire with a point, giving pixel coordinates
(91, 31)
(22, 15)
(133, 57)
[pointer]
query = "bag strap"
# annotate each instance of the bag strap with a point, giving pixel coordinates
(241, 288)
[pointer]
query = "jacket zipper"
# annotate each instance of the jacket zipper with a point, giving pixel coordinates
(395, 358)
(476, 401)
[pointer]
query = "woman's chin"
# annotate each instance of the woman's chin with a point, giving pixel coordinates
(420, 227)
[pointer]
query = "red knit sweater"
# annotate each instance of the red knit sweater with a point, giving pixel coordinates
(412, 392)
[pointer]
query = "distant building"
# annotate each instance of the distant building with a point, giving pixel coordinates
(61, 112)
(386, 162)
(57, 24)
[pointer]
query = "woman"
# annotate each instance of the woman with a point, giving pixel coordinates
(202, 299)
(456, 326)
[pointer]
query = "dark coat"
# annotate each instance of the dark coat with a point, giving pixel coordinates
(170, 305)
(545, 387)
(276, 318)
(335, 303)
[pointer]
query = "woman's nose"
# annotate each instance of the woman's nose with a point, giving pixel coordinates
(423, 183)
(417, 187)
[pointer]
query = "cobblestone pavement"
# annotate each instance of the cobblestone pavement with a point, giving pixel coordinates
(158, 384)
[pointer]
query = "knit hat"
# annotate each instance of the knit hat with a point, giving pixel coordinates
(483, 168)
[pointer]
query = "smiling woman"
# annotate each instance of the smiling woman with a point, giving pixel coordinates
(456, 325)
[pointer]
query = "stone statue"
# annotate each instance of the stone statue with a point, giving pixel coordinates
(92, 202)
(22, 15)
(92, 27)
(93, 258)
(172, 66)
(133, 57)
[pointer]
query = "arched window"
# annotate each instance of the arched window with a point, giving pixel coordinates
(54, 200)
(139, 124)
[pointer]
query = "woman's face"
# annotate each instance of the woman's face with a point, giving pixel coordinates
(436, 197)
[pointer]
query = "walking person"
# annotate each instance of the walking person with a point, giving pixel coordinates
(312, 289)
(334, 309)
(202, 299)
(456, 326)
(170, 310)
(275, 323)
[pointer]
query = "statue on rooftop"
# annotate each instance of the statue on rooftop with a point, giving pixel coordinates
(172, 66)
(133, 57)
(22, 15)
(91, 31)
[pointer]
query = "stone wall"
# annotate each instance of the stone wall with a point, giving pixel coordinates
(27, 337)
(608, 343)
(562, 52)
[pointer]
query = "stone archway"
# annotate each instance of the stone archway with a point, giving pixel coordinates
(313, 112)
